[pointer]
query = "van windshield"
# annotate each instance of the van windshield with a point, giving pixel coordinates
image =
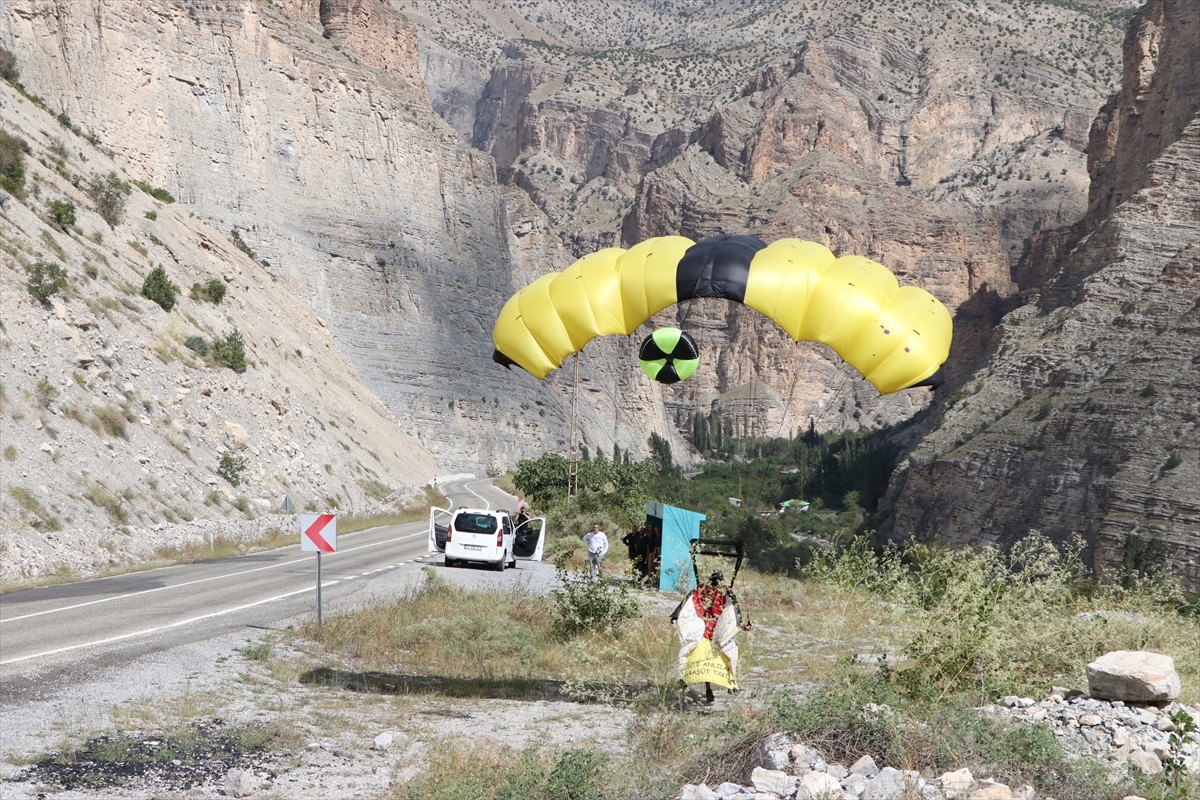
(475, 523)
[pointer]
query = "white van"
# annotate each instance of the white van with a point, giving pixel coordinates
(485, 536)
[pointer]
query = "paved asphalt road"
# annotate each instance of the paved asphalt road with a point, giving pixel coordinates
(53, 636)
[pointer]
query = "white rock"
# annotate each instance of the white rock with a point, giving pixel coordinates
(241, 783)
(1147, 763)
(382, 742)
(854, 784)
(772, 781)
(995, 791)
(865, 766)
(700, 792)
(888, 784)
(818, 786)
(958, 783)
(775, 752)
(1133, 676)
(236, 437)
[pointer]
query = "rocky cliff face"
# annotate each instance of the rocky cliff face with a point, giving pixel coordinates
(305, 127)
(121, 434)
(885, 138)
(1084, 419)
(309, 131)
(264, 117)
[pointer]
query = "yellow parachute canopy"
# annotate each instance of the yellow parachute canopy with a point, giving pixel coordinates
(896, 336)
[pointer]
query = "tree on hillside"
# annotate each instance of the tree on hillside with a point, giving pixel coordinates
(62, 212)
(8, 66)
(45, 281)
(12, 164)
(231, 351)
(110, 193)
(660, 449)
(158, 287)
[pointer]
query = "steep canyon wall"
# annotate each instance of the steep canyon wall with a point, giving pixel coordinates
(1085, 418)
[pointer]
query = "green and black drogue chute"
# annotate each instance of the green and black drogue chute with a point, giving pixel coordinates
(668, 355)
(896, 336)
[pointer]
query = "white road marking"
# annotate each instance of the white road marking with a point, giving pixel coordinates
(159, 628)
(199, 580)
(486, 505)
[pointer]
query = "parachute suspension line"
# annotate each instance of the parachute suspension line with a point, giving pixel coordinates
(787, 406)
(573, 451)
(687, 312)
(845, 381)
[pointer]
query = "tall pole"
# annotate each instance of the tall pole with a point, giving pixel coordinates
(573, 453)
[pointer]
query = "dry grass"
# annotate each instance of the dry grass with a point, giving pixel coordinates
(438, 629)
(801, 668)
(802, 629)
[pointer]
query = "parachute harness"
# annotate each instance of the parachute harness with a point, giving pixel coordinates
(709, 602)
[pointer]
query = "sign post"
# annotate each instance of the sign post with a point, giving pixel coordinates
(318, 534)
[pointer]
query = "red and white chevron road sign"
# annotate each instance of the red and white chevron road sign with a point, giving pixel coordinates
(318, 533)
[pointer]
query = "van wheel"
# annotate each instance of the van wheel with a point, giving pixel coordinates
(503, 562)
(451, 562)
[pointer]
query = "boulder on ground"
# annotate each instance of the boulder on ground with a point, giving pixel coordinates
(1133, 676)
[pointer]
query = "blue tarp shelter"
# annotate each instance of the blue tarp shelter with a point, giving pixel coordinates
(680, 528)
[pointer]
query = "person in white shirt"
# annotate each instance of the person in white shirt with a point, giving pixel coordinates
(597, 547)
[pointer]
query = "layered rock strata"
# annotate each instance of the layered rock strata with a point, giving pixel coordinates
(1085, 418)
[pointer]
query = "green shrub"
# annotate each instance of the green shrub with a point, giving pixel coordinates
(197, 344)
(213, 291)
(158, 287)
(974, 609)
(45, 280)
(831, 717)
(1174, 764)
(240, 243)
(12, 163)
(110, 193)
(63, 213)
(231, 351)
(8, 66)
(111, 421)
(230, 468)
(582, 604)
(99, 497)
(216, 290)
(577, 776)
(44, 393)
(158, 194)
